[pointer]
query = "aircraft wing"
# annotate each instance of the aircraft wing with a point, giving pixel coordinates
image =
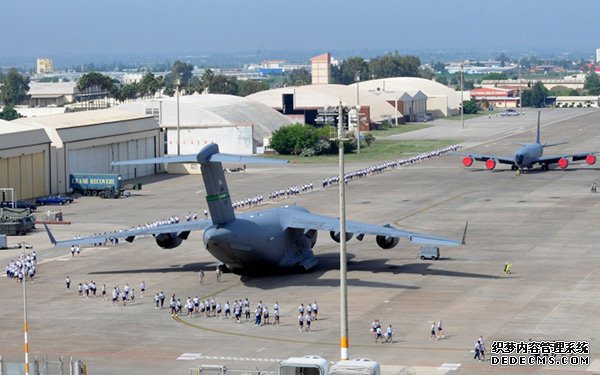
(130, 234)
(482, 157)
(550, 159)
(308, 221)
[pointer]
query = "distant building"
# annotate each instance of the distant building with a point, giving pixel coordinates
(321, 69)
(44, 65)
(44, 94)
(496, 97)
(577, 101)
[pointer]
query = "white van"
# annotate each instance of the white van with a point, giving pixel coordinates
(360, 366)
(307, 365)
(430, 252)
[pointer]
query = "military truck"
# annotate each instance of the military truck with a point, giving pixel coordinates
(94, 183)
(16, 221)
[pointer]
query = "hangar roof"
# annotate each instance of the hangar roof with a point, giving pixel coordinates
(13, 134)
(319, 96)
(52, 89)
(213, 110)
(408, 84)
(67, 127)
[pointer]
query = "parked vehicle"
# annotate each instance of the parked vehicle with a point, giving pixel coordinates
(54, 199)
(94, 183)
(18, 204)
(430, 252)
(16, 221)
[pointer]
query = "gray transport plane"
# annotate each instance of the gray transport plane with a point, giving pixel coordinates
(269, 240)
(528, 156)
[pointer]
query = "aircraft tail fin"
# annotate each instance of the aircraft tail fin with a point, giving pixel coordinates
(210, 160)
(537, 136)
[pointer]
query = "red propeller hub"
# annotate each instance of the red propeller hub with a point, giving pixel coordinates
(467, 161)
(490, 164)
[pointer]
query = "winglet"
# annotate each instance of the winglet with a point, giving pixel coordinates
(52, 239)
(464, 237)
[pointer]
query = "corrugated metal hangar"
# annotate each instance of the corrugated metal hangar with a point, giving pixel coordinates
(86, 142)
(24, 160)
(237, 124)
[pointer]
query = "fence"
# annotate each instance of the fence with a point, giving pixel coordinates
(43, 366)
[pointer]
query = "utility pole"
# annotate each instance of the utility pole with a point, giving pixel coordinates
(343, 266)
(178, 139)
(26, 340)
(462, 100)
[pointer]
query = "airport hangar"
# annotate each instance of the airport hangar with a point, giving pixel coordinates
(302, 103)
(442, 101)
(239, 125)
(73, 143)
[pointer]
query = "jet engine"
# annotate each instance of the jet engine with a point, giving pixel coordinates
(171, 240)
(590, 159)
(467, 161)
(490, 164)
(387, 242)
(563, 163)
(336, 236)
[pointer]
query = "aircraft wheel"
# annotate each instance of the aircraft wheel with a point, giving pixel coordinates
(422, 257)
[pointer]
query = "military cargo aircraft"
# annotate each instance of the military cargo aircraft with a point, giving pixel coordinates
(529, 155)
(277, 238)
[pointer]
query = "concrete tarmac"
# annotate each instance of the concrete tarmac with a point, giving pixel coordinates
(544, 223)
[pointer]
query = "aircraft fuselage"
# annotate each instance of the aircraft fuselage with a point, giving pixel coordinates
(527, 156)
(261, 241)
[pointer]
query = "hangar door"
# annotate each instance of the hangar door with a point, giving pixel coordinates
(97, 159)
(25, 174)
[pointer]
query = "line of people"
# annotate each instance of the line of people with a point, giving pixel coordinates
(378, 332)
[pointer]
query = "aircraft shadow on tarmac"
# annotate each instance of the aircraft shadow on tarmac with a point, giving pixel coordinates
(330, 262)
(189, 267)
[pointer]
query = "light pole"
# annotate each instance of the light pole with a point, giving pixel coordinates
(26, 341)
(343, 265)
(357, 128)
(462, 100)
(178, 139)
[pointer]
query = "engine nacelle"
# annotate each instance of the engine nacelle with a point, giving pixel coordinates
(563, 163)
(386, 242)
(590, 159)
(168, 240)
(490, 164)
(467, 161)
(336, 236)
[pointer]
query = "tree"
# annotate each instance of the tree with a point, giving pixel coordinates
(351, 70)
(298, 77)
(503, 59)
(127, 91)
(495, 76)
(221, 84)
(148, 85)
(442, 79)
(182, 71)
(535, 97)
(394, 65)
(292, 139)
(470, 107)
(250, 86)
(96, 80)
(592, 83)
(14, 88)
(9, 113)
(206, 80)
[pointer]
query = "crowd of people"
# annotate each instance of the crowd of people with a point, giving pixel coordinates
(24, 266)
(378, 332)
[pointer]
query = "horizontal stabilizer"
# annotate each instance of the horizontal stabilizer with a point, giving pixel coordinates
(554, 144)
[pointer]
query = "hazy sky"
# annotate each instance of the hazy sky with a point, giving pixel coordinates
(195, 27)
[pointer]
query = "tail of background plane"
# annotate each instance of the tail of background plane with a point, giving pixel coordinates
(537, 136)
(210, 160)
